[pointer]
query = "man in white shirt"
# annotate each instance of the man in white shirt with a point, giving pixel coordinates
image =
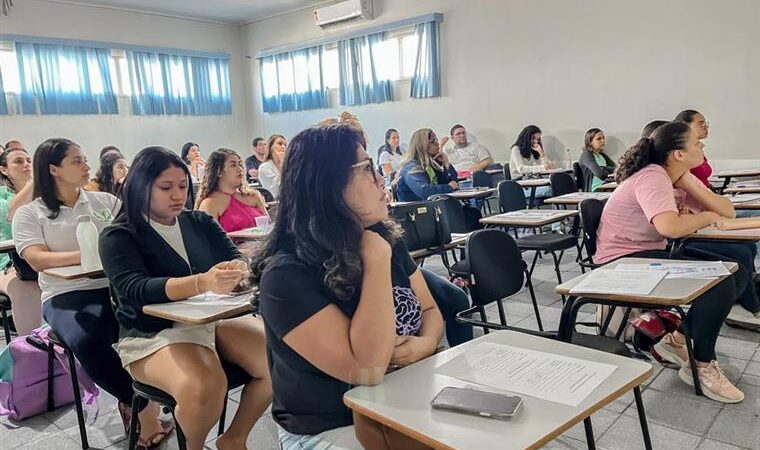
(466, 155)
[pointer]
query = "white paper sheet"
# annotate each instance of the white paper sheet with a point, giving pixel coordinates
(211, 299)
(695, 269)
(630, 282)
(532, 214)
(744, 198)
(542, 375)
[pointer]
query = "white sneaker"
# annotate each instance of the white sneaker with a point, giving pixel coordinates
(740, 317)
(714, 383)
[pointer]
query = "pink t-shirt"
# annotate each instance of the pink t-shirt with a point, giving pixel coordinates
(626, 225)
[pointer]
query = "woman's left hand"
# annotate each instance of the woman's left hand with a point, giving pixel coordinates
(410, 349)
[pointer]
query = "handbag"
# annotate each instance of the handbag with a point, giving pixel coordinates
(24, 271)
(424, 224)
(650, 327)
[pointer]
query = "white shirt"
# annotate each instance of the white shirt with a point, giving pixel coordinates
(462, 158)
(269, 177)
(393, 159)
(31, 226)
(519, 166)
(172, 234)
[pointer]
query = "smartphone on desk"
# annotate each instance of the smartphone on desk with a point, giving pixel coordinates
(477, 403)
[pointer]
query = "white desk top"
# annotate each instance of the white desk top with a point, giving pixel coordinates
(7, 246)
(250, 234)
(73, 272)
(575, 198)
(743, 188)
(739, 173)
(611, 186)
(528, 217)
(534, 182)
(670, 291)
(456, 240)
(402, 400)
(199, 314)
(464, 194)
(750, 234)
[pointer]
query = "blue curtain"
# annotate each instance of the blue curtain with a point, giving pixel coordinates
(426, 81)
(58, 79)
(293, 81)
(3, 103)
(179, 84)
(359, 83)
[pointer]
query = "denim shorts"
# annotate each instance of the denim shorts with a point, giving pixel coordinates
(342, 438)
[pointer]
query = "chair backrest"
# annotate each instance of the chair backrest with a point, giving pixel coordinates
(511, 196)
(454, 212)
(591, 215)
(578, 173)
(496, 266)
(506, 172)
(268, 197)
(481, 178)
(562, 183)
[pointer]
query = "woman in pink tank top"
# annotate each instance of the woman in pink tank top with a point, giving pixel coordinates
(225, 196)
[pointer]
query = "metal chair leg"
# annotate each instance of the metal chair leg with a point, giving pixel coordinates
(690, 350)
(50, 379)
(589, 433)
(222, 417)
(529, 283)
(77, 398)
(137, 403)
(6, 326)
(642, 418)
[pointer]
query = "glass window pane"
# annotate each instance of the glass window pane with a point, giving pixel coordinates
(301, 74)
(126, 85)
(408, 55)
(386, 56)
(285, 72)
(96, 81)
(330, 68)
(269, 78)
(9, 68)
(69, 74)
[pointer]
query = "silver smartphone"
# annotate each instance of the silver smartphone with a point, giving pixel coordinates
(478, 403)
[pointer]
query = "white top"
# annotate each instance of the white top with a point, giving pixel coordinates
(393, 159)
(462, 158)
(31, 226)
(269, 177)
(172, 234)
(519, 166)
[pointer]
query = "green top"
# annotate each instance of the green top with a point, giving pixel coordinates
(5, 227)
(596, 182)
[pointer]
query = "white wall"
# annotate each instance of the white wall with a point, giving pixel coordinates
(128, 132)
(565, 65)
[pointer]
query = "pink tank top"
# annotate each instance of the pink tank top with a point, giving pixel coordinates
(239, 216)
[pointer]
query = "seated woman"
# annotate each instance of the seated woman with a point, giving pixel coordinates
(698, 123)
(157, 252)
(271, 168)
(657, 200)
(79, 310)
(527, 157)
(390, 154)
(109, 177)
(425, 169)
(341, 298)
(225, 196)
(15, 191)
(595, 164)
(191, 155)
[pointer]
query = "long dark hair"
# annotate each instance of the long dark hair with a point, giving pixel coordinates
(109, 149)
(653, 150)
(146, 167)
(590, 135)
(523, 142)
(270, 143)
(686, 116)
(186, 149)
(314, 222)
(386, 147)
(214, 169)
(52, 151)
(104, 175)
(4, 179)
(651, 126)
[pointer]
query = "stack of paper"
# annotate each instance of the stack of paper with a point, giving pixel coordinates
(686, 269)
(620, 282)
(547, 376)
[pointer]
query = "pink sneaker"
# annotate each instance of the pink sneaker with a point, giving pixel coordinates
(714, 383)
(671, 351)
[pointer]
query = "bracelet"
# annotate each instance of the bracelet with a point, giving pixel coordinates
(197, 291)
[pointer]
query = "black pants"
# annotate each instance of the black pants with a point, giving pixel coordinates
(709, 310)
(85, 322)
(450, 300)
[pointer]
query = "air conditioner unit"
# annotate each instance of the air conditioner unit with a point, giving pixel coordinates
(343, 12)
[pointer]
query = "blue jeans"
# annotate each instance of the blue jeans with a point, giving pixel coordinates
(450, 300)
(541, 193)
(342, 438)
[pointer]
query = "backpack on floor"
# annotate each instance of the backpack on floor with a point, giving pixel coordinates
(650, 327)
(24, 377)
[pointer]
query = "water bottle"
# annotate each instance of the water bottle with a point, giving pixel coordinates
(87, 238)
(568, 159)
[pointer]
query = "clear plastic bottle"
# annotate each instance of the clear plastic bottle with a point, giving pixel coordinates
(568, 159)
(87, 238)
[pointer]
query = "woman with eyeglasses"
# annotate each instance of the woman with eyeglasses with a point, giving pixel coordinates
(425, 169)
(342, 300)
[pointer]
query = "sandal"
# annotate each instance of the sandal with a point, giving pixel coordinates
(151, 443)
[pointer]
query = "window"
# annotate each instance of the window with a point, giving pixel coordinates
(330, 72)
(408, 54)
(9, 69)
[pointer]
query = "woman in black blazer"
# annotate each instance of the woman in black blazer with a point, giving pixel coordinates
(155, 252)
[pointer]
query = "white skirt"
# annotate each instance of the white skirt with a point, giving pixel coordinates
(131, 349)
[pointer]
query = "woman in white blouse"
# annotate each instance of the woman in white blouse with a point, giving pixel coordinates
(269, 170)
(527, 157)
(390, 154)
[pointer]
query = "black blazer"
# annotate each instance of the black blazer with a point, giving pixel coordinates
(138, 262)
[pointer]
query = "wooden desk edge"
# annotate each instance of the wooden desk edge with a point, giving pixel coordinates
(147, 309)
(516, 223)
(99, 273)
(427, 440)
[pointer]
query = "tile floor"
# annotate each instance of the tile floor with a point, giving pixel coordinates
(677, 419)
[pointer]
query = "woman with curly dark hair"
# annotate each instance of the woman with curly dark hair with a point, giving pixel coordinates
(342, 300)
(111, 174)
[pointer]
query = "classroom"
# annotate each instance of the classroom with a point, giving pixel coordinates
(379, 224)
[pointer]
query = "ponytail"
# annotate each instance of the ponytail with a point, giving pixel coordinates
(652, 149)
(634, 159)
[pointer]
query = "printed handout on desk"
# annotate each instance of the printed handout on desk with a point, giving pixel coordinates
(695, 269)
(622, 282)
(532, 213)
(211, 299)
(542, 375)
(744, 198)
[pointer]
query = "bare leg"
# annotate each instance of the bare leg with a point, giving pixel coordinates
(193, 375)
(241, 341)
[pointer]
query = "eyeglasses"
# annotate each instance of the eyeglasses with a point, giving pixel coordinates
(367, 166)
(434, 140)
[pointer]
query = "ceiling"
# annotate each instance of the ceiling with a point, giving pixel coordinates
(228, 11)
